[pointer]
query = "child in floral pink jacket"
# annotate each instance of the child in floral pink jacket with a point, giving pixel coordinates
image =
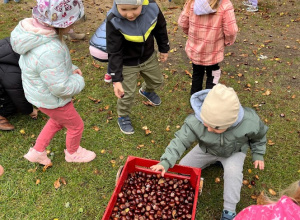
(210, 26)
(286, 208)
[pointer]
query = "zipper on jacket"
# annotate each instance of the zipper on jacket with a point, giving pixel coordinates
(143, 46)
(221, 139)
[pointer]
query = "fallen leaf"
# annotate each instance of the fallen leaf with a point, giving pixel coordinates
(140, 146)
(217, 180)
(22, 131)
(63, 180)
(57, 183)
(96, 128)
(254, 197)
(80, 210)
(270, 142)
(168, 128)
(38, 181)
(46, 167)
(147, 132)
(144, 127)
(268, 92)
(249, 171)
(67, 205)
(188, 73)
(94, 100)
(32, 170)
(148, 103)
(272, 192)
(72, 51)
(102, 151)
(121, 157)
(113, 161)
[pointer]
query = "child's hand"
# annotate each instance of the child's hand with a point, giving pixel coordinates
(158, 167)
(77, 71)
(163, 57)
(34, 113)
(118, 89)
(260, 164)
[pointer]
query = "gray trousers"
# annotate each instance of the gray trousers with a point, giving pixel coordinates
(153, 79)
(233, 172)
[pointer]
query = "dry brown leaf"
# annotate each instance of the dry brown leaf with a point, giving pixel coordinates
(95, 65)
(217, 180)
(168, 128)
(63, 180)
(57, 183)
(46, 167)
(254, 197)
(140, 146)
(147, 132)
(267, 92)
(272, 192)
(113, 161)
(153, 141)
(94, 100)
(121, 157)
(96, 128)
(188, 73)
(144, 127)
(270, 142)
(32, 170)
(293, 96)
(148, 103)
(249, 171)
(72, 51)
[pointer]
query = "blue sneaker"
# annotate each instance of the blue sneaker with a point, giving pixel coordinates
(151, 96)
(125, 125)
(227, 215)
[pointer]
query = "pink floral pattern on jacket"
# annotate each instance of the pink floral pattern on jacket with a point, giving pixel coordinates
(208, 34)
(284, 209)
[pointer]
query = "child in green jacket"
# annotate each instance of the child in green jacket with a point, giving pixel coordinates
(224, 131)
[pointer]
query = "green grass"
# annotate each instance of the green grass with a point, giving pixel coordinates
(89, 186)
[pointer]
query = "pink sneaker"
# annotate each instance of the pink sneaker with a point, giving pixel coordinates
(82, 155)
(35, 156)
(107, 78)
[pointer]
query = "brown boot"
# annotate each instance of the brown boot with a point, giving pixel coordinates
(74, 36)
(5, 125)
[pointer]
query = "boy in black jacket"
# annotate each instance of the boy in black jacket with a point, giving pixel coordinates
(130, 31)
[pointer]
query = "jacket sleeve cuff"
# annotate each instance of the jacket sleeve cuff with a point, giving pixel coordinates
(257, 157)
(165, 164)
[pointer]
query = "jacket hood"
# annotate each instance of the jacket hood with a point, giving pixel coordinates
(28, 35)
(197, 100)
(202, 7)
(115, 11)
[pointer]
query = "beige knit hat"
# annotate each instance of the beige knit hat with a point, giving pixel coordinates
(220, 108)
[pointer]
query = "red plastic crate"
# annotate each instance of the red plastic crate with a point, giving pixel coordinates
(136, 164)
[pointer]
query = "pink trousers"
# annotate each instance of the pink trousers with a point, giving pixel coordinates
(62, 117)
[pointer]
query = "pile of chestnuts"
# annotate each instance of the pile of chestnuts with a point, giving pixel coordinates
(147, 196)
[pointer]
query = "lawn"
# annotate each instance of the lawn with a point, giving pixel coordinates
(262, 66)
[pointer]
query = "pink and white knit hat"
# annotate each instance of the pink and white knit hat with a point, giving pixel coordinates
(58, 13)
